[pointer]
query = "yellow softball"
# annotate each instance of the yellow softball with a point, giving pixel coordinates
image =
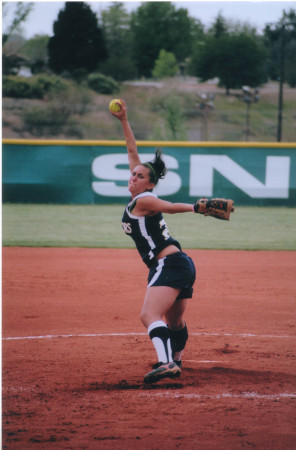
(113, 105)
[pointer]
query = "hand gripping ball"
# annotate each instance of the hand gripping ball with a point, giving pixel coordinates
(113, 105)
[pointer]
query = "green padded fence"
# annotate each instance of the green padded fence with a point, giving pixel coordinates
(85, 172)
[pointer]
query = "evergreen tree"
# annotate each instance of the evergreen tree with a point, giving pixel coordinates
(219, 27)
(280, 41)
(78, 41)
(116, 28)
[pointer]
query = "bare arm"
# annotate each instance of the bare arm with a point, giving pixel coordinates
(132, 150)
(152, 205)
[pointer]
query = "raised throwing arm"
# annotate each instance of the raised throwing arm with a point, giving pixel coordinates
(132, 150)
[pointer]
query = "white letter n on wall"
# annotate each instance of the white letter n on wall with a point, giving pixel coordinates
(201, 178)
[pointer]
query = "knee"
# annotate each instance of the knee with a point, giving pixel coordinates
(148, 316)
(144, 318)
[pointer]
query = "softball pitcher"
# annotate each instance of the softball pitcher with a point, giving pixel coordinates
(171, 272)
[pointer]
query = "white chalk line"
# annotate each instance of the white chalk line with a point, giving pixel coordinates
(227, 395)
(202, 361)
(56, 336)
(189, 396)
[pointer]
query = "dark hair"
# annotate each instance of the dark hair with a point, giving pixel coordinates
(157, 169)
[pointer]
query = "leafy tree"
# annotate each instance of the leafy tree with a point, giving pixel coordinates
(35, 49)
(236, 60)
(238, 27)
(14, 45)
(166, 65)
(222, 26)
(288, 22)
(116, 28)
(280, 41)
(159, 25)
(78, 41)
(174, 118)
(22, 10)
(291, 65)
(12, 40)
(12, 57)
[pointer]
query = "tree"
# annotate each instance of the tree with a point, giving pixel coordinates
(166, 65)
(282, 32)
(78, 41)
(35, 49)
(22, 10)
(156, 26)
(222, 26)
(280, 39)
(12, 41)
(219, 28)
(116, 28)
(236, 60)
(291, 66)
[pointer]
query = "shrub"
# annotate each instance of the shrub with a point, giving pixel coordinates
(18, 87)
(55, 116)
(50, 83)
(34, 87)
(102, 84)
(51, 121)
(75, 99)
(38, 120)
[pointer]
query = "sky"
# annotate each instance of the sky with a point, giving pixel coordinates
(256, 13)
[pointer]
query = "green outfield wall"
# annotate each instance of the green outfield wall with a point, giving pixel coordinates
(84, 172)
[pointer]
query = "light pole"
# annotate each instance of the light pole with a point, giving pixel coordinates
(249, 98)
(281, 74)
(205, 105)
(282, 79)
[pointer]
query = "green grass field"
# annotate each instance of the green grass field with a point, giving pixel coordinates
(250, 228)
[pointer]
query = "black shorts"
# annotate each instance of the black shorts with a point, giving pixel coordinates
(176, 271)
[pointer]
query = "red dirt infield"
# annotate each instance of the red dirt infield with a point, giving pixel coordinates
(75, 352)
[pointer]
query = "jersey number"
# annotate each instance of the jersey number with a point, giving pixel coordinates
(164, 228)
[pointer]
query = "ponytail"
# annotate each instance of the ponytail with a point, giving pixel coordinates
(156, 167)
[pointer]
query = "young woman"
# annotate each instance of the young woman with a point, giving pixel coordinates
(171, 271)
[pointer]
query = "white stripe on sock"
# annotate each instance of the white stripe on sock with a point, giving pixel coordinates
(160, 350)
(156, 324)
(159, 344)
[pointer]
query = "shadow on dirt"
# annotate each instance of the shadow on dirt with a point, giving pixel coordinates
(199, 377)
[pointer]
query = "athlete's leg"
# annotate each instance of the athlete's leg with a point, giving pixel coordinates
(157, 303)
(158, 300)
(177, 328)
(174, 315)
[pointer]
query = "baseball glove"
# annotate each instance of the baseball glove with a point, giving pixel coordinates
(220, 208)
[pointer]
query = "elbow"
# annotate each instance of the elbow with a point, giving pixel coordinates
(171, 210)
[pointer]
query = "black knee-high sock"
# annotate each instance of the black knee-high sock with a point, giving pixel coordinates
(178, 341)
(160, 337)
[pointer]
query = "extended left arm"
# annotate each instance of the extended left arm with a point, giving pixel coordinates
(152, 205)
(219, 208)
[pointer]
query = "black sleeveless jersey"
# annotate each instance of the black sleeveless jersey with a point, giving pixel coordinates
(150, 233)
